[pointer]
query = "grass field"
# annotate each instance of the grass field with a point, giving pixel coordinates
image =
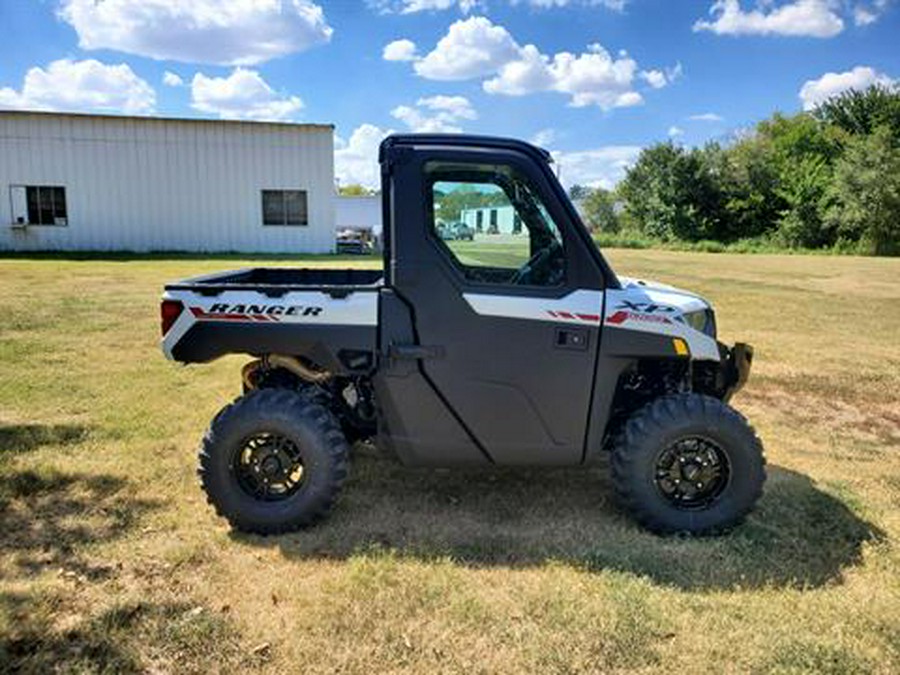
(110, 560)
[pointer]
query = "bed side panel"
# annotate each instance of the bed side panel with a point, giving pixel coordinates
(299, 323)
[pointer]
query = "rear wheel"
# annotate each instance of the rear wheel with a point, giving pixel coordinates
(688, 463)
(273, 462)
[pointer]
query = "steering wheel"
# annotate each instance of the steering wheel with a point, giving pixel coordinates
(539, 269)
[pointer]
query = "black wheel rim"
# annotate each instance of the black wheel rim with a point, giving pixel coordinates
(269, 467)
(692, 473)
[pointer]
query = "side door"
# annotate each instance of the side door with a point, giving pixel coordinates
(510, 319)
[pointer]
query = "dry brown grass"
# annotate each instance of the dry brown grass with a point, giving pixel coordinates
(110, 561)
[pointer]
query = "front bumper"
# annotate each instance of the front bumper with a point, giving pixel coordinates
(736, 362)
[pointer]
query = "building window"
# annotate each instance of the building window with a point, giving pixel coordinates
(284, 207)
(39, 205)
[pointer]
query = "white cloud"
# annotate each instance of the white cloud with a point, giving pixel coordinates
(863, 16)
(675, 132)
(241, 95)
(477, 48)
(601, 167)
(626, 100)
(706, 117)
(400, 50)
(543, 138)
(466, 6)
(591, 78)
(616, 5)
(413, 6)
(814, 92)
(674, 72)
(811, 18)
(436, 114)
(459, 106)
(241, 32)
(472, 47)
(82, 86)
(356, 159)
(655, 78)
(171, 79)
(868, 13)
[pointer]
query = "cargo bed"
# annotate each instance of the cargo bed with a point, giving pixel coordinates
(329, 315)
(278, 280)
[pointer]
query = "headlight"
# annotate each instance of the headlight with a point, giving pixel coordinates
(703, 320)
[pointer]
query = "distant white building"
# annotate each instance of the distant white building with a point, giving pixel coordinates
(359, 213)
(110, 183)
(493, 219)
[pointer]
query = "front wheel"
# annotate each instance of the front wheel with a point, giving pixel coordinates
(688, 463)
(273, 461)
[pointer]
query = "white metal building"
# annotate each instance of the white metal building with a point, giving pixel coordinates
(110, 183)
(493, 220)
(359, 213)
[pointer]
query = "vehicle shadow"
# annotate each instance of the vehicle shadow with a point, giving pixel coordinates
(799, 536)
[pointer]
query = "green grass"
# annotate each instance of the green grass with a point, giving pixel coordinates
(110, 560)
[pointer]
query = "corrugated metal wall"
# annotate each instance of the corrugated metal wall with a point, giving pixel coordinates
(143, 184)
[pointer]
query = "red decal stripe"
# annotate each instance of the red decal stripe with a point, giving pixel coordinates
(590, 318)
(200, 313)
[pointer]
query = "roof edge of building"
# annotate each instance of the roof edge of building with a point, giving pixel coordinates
(156, 118)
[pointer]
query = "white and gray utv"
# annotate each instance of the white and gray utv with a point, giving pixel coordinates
(520, 346)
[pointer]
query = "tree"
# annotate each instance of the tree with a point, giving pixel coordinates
(801, 135)
(866, 194)
(861, 112)
(451, 203)
(578, 192)
(801, 152)
(749, 180)
(355, 190)
(599, 209)
(805, 180)
(803, 188)
(672, 193)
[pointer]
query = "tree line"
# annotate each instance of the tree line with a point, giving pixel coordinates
(828, 178)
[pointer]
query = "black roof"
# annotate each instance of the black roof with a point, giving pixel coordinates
(464, 141)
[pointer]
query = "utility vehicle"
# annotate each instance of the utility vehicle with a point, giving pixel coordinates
(518, 348)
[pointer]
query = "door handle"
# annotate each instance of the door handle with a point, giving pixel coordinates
(575, 339)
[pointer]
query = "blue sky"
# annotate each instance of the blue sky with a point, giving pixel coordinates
(593, 80)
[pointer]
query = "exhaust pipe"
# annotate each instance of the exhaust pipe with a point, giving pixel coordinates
(290, 363)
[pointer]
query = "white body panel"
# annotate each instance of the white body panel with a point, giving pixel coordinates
(651, 307)
(294, 307)
(638, 306)
(143, 184)
(580, 306)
